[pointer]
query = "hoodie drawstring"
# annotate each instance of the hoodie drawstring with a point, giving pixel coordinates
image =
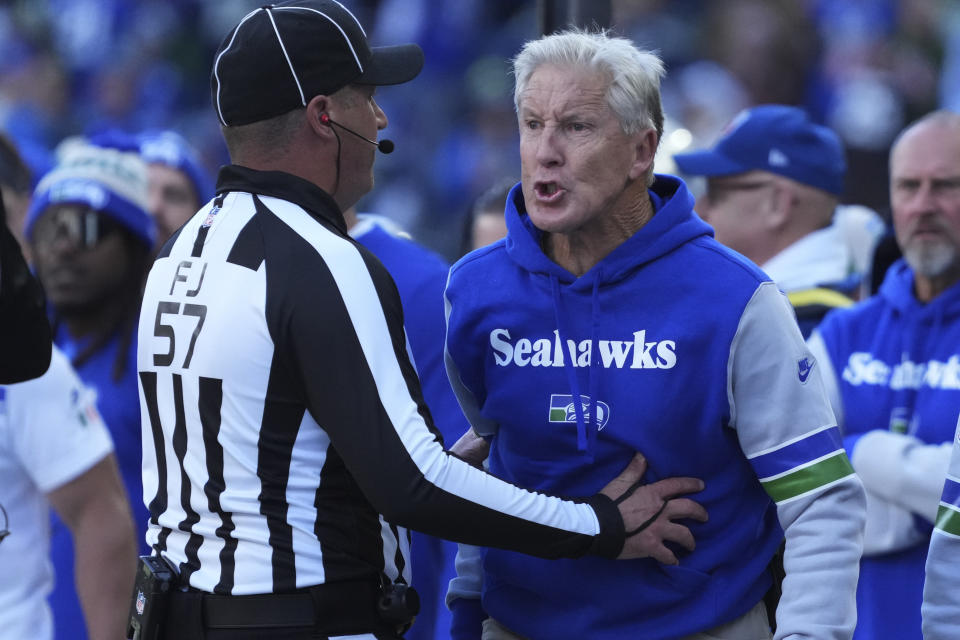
(593, 378)
(569, 366)
(914, 351)
(586, 438)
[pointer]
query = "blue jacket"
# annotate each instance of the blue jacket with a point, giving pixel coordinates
(646, 341)
(897, 363)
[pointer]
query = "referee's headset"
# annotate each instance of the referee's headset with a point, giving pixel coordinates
(385, 146)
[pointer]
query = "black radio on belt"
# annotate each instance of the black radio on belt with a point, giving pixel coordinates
(151, 591)
(398, 604)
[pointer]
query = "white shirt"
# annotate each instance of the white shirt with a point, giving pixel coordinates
(50, 433)
(829, 255)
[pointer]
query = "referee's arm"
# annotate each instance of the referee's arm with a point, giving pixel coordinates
(343, 333)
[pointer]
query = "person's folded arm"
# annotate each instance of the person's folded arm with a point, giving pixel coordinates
(903, 470)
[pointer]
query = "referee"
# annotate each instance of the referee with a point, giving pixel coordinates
(286, 441)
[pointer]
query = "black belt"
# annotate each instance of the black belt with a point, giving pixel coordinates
(340, 608)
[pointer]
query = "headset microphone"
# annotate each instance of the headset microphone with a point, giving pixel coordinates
(385, 146)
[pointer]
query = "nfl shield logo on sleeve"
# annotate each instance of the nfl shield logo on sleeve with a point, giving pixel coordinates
(141, 602)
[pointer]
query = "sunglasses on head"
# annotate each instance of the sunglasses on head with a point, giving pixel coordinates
(83, 227)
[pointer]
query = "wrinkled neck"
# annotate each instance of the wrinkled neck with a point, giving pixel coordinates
(581, 249)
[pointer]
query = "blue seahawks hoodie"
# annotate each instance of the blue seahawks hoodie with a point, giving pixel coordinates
(569, 376)
(898, 367)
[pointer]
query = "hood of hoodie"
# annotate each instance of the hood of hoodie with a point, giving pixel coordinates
(897, 290)
(673, 224)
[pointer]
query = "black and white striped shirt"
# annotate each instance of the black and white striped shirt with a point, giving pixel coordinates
(282, 415)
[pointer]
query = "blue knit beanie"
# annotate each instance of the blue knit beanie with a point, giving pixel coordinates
(107, 180)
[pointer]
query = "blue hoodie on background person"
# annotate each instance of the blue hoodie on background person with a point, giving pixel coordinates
(897, 388)
(892, 369)
(676, 347)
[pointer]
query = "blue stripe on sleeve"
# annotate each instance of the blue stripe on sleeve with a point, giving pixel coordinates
(810, 447)
(951, 492)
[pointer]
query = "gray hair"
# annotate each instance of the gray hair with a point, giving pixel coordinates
(634, 91)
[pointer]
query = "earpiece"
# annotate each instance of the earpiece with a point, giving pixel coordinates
(385, 146)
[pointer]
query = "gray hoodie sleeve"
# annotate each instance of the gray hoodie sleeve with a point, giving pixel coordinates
(941, 590)
(787, 430)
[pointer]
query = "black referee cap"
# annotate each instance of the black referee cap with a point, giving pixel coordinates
(282, 55)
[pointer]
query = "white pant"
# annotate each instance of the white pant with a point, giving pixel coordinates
(753, 625)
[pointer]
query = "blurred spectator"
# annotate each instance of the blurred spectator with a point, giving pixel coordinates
(770, 46)
(890, 368)
(177, 184)
(879, 68)
(773, 185)
(92, 240)
(485, 223)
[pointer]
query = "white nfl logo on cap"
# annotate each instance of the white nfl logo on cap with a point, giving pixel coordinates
(777, 158)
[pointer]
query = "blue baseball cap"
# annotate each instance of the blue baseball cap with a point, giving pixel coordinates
(775, 138)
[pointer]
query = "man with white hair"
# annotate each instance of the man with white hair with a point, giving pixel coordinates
(610, 321)
(892, 367)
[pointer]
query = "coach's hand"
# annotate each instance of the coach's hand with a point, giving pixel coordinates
(649, 511)
(471, 448)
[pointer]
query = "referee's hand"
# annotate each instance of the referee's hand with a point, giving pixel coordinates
(649, 511)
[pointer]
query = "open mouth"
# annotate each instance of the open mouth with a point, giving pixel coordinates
(547, 191)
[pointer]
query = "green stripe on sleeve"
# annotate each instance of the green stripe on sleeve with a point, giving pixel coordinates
(808, 478)
(948, 520)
